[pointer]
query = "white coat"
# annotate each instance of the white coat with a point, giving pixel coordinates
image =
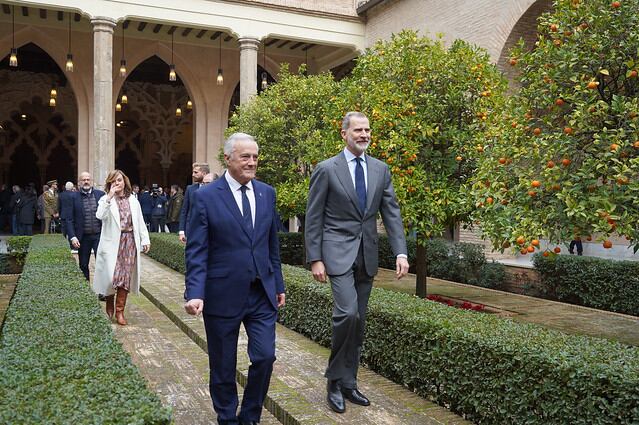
(107, 253)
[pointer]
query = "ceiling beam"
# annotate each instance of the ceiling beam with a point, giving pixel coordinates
(216, 34)
(186, 32)
(141, 26)
(308, 47)
(284, 43)
(6, 9)
(126, 23)
(77, 17)
(43, 13)
(25, 11)
(228, 38)
(60, 15)
(157, 28)
(201, 34)
(270, 42)
(296, 45)
(171, 30)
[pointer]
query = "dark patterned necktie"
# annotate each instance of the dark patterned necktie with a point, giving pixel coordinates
(360, 184)
(246, 210)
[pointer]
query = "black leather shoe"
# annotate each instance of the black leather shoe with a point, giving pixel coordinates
(355, 397)
(334, 397)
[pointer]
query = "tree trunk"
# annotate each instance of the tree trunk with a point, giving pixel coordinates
(421, 266)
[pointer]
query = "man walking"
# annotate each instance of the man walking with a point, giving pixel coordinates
(64, 205)
(346, 193)
(174, 207)
(83, 228)
(50, 198)
(233, 275)
(198, 173)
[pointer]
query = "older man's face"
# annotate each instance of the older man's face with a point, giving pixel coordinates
(242, 162)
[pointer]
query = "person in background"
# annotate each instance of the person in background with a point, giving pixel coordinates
(15, 197)
(40, 207)
(124, 235)
(158, 213)
(173, 208)
(64, 205)
(50, 198)
(146, 202)
(26, 209)
(199, 170)
(5, 209)
(83, 227)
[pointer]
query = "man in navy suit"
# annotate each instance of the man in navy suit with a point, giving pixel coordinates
(83, 228)
(199, 171)
(233, 275)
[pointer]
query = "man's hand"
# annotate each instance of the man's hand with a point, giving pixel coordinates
(281, 300)
(75, 243)
(194, 307)
(182, 238)
(146, 248)
(319, 271)
(402, 267)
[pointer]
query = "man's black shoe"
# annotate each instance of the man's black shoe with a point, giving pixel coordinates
(355, 397)
(334, 397)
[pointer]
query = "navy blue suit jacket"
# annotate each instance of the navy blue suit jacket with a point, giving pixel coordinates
(75, 216)
(185, 212)
(65, 203)
(221, 256)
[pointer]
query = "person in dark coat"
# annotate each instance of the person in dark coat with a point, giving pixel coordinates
(146, 203)
(13, 204)
(174, 208)
(5, 210)
(198, 173)
(65, 205)
(25, 211)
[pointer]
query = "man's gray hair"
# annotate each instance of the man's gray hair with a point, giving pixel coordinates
(68, 186)
(346, 122)
(229, 145)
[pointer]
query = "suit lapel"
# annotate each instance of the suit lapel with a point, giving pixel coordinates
(231, 205)
(260, 209)
(344, 176)
(373, 181)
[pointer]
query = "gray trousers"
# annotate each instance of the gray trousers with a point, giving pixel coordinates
(350, 300)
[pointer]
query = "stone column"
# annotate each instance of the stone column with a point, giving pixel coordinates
(248, 68)
(103, 108)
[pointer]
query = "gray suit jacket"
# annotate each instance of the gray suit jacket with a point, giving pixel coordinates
(334, 224)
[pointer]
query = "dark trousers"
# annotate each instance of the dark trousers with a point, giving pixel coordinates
(147, 220)
(350, 300)
(158, 223)
(174, 227)
(14, 225)
(222, 333)
(25, 229)
(578, 245)
(87, 243)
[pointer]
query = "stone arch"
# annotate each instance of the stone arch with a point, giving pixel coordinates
(526, 28)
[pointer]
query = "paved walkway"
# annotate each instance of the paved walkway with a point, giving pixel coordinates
(552, 314)
(297, 393)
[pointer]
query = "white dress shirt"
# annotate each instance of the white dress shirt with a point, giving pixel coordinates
(237, 194)
(352, 164)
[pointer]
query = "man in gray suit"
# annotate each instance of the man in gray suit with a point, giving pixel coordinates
(346, 193)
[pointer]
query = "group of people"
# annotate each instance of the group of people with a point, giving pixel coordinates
(20, 206)
(233, 270)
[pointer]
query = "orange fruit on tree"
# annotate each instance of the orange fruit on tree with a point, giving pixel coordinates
(607, 244)
(546, 254)
(568, 130)
(502, 161)
(565, 162)
(537, 131)
(557, 250)
(615, 4)
(458, 158)
(636, 144)
(556, 187)
(554, 28)
(532, 193)
(521, 240)
(513, 124)
(480, 148)
(535, 242)
(559, 102)
(593, 85)
(530, 248)
(504, 201)
(550, 164)
(589, 238)
(523, 251)
(632, 74)
(556, 42)
(513, 61)
(535, 183)
(489, 200)
(506, 244)
(614, 147)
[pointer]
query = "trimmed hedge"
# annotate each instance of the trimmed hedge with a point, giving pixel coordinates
(593, 282)
(490, 369)
(60, 360)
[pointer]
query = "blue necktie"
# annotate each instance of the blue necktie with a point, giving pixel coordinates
(246, 211)
(360, 184)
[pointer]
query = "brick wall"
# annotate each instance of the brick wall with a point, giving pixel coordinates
(339, 7)
(487, 23)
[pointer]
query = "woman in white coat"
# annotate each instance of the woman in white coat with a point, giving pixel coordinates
(124, 235)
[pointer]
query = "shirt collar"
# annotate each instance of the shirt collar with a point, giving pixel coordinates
(349, 156)
(234, 184)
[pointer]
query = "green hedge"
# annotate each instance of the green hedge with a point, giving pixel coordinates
(593, 282)
(490, 369)
(60, 362)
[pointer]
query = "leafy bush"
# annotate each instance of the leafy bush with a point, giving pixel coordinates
(592, 282)
(291, 248)
(489, 369)
(60, 360)
(18, 247)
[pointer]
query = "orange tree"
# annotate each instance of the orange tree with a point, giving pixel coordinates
(293, 122)
(563, 160)
(428, 104)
